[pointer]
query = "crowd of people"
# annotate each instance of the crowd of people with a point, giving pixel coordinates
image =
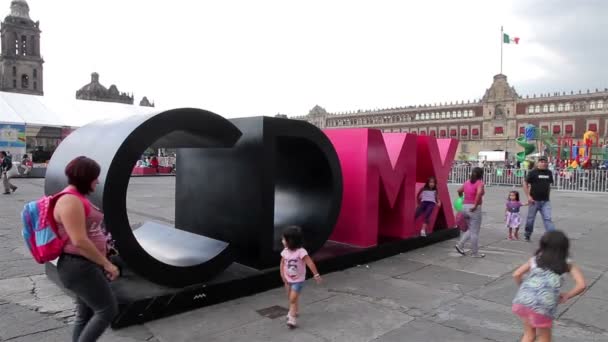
(86, 269)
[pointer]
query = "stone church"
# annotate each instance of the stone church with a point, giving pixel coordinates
(20, 60)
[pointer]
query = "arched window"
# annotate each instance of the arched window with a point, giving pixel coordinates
(560, 107)
(443, 115)
(417, 117)
(537, 109)
(567, 107)
(530, 109)
(552, 108)
(24, 45)
(592, 105)
(16, 44)
(427, 116)
(545, 108)
(25, 81)
(600, 104)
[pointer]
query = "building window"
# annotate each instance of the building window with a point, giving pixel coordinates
(14, 71)
(552, 108)
(453, 132)
(593, 127)
(442, 133)
(560, 107)
(600, 104)
(498, 130)
(475, 132)
(522, 130)
(545, 128)
(556, 129)
(433, 133)
(427, 116)
(592, 105)
(567, 107)
(25, 81)
(15, 84)
(35, 85)
(530, 109)
(422, 132)
(24, 45)
(464, 132)
(417, 117)
(537, 109)
(545, 108)
(459, 114)
(35, 74)
(569, 129)
(449, 115)
(443, 115)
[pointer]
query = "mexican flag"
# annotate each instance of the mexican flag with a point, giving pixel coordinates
(508, 40)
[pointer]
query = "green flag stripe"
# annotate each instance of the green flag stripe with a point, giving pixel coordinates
(505, 38)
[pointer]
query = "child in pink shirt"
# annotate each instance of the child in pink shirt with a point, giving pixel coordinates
(294, 260)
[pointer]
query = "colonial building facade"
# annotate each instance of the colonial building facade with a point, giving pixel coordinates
(491, 123)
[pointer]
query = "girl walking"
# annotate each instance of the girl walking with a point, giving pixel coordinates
(294, 260)
(540, 290)
(427, 200)
(473, 191)
(512, 215)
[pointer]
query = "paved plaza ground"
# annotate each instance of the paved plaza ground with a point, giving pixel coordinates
(429, 294)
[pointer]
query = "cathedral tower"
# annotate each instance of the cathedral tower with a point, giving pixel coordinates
(20, 60)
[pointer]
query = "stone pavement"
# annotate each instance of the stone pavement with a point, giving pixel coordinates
(430, 294)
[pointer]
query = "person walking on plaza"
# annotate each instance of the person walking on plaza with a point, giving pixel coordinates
(537, 186)
(84, 267)
(6, 163)
(473, 191)
(294, 259)
(540, 281)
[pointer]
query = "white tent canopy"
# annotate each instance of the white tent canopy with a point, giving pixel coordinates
(44, 111)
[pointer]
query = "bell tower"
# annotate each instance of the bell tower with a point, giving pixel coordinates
(20, 60)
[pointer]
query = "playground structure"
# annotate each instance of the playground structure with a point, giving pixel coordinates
(567, 151)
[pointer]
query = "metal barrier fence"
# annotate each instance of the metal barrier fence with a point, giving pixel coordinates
(567, 180)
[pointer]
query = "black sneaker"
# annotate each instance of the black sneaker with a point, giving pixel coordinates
(527, 238)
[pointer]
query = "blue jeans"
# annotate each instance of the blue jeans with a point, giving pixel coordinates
(545, 211)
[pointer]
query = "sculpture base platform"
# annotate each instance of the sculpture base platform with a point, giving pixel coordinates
(141, 301)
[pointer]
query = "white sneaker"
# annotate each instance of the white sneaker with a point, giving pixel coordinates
(423, 233)
(291, 321)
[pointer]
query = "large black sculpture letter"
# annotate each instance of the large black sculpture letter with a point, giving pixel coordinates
(280, 172)
(160, 253)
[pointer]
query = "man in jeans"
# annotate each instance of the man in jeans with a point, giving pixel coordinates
(537, 187)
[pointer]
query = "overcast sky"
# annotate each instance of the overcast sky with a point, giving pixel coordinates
(245, 58)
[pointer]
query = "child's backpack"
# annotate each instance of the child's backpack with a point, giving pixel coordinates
(40, 229)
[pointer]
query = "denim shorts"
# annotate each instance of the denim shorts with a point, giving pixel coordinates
(297, 286)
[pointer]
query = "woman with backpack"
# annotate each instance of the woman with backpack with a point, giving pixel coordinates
(83, 266)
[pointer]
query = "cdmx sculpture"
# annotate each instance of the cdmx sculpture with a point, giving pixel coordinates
(239, 182)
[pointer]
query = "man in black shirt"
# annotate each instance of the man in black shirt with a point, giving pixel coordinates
(537, 187)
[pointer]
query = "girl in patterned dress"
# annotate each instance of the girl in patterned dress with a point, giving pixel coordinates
(540, 290)
(512, 215)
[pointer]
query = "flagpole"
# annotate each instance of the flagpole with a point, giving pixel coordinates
(502, 41)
